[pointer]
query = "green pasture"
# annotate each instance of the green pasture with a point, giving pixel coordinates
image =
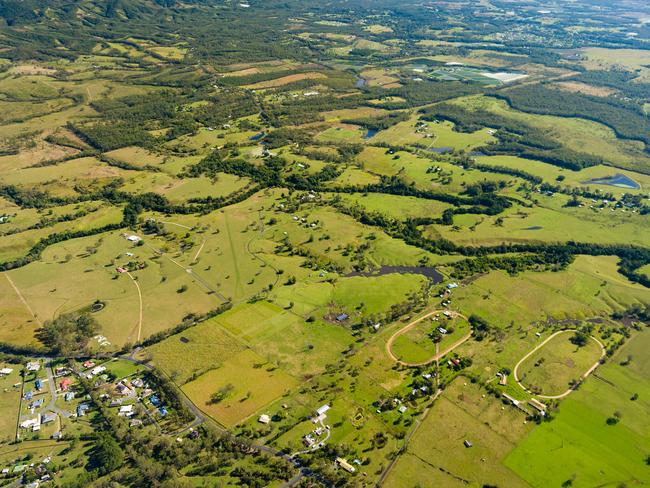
(548, 221)
(264, 327)
(416, 345)
(431, 134)
(17, 245)
(46, 287)
(17, 324)
(579, 444)
(9, 401)
(589, 287)
(578, 134)
(344, 133)
(550, 369)
(208, 344)
(61, 179)
(397, 207)
(574, 179)
(437, 453)
(255, 383)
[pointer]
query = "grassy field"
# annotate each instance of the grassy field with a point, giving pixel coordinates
(577, 134)
(579, 445)
(550, 369)
(436, 453)
(631, 59)
(342, 133)
(397, 207)
(17, 245)
(440, 135)
(254, 382)
(285, 80)
(9, 402)
(48, 291)
(208, 344)
(550, 221)
(591, 286)
(575, 179)
(416, 345)
(264, 327)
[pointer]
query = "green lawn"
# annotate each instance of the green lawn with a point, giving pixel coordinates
(436, 453)
(578, 444)
(550, 369)
(254, 382)
(416, 345)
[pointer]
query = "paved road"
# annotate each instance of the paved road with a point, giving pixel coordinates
(568, 392)
(405, 329)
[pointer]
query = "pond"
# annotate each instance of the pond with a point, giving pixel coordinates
(441, 150)
(432, 273)
(360, 83)
(618, 180)
(370, 133)
(257, 137)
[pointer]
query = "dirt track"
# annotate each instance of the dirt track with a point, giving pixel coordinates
(566, 393)
(438, 355)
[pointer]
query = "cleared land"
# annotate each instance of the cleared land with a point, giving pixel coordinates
(553, 367)
(578, 444)
(240, 378)
(437, 452)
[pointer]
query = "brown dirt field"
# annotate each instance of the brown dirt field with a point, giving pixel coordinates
(242, 72)
(43, 151)
(30, 69)
(285, 80)
(102, 172)
(577, 87)
(70, 136)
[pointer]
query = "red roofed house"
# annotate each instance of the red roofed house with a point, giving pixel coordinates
(65, 384)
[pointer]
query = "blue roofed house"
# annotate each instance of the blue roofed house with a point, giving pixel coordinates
(81, 409)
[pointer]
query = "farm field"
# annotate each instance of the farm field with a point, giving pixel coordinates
(551, 368)
(416, 345)
(240, 377)
(579, 439)
(550, 221)
(577, 134)
(591, 285)
(463, 413)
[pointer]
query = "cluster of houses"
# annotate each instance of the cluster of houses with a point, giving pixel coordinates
(313, 439)
(34, 424)
(102, 340)
(303, 221)
(40, 470)
(6, 371)
(126, 393)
